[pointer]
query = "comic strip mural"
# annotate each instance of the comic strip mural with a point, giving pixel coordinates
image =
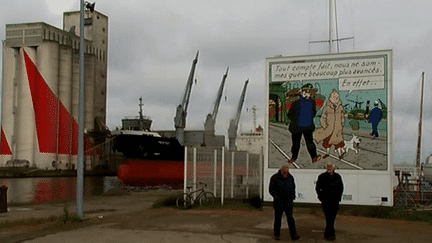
(329, 108)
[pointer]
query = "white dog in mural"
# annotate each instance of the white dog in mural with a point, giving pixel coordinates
(352, 144)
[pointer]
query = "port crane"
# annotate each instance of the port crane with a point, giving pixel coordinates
(181, 112)
(233, 126)
(209, 125)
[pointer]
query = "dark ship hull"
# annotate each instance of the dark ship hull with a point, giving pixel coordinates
(146, 147)
(151, 160)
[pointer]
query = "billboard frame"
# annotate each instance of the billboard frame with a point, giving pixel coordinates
(362, 187)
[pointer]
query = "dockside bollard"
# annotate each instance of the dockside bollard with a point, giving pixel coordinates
(3, 199)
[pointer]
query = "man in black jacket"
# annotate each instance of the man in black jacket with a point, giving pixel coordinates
(301, 115)
(282, 188)
(329, 188)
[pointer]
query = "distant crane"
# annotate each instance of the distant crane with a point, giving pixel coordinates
(209, 125)
(383, 106)
(181, 112)
(233, 126)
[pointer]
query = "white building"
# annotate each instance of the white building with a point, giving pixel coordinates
(252, 142)
(40, 91)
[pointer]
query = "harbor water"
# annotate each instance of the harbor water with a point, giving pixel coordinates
(52, 189)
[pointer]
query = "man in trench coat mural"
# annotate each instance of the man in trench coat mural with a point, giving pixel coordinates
(332, 125)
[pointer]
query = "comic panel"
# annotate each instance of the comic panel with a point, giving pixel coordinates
(329, 108)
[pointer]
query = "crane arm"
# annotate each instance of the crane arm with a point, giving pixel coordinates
(219, 96)
(382, 103)
(209, 124)
(428, 158)
(180, 118)
(232, 130)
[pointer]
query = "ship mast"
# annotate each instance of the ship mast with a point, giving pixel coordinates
(331, 17)
(420, 126)
(333, 28)
(141, 117)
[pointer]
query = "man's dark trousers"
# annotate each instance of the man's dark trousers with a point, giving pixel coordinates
(375, 129)
(288, 209)
(330, 210)
(296, 139)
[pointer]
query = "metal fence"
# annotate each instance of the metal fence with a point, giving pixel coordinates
(228, 174)
(412, 192)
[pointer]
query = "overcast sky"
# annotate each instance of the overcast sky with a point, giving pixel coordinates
(152, 44)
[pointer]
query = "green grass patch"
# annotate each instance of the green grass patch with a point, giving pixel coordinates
(367, 211)
(68, 217)
(169, 201)
(243, 204)
(382, 212)
(62, 219)
(30, 222)
(252, 203)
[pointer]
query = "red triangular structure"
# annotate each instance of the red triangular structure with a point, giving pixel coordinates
(5, 149)
(57, 130)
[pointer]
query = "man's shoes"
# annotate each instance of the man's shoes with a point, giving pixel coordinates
(314, 160)
(295, 237)
(326, 156)
(277, 237)
(331, 238)
(291, 161)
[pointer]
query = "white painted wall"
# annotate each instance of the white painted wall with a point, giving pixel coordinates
(360, 187)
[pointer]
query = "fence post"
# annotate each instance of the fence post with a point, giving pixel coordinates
(261, 173)
(194, 170)
(223, 175)
(185, 171)
(247, 175)
(232, 174)
(214, 172)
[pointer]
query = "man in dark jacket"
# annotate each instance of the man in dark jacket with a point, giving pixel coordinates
(282, 188)
(329, 188)
(375, 118)
(301, 114)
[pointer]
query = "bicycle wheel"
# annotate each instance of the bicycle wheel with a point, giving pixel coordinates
(207, 199)
(184, 201)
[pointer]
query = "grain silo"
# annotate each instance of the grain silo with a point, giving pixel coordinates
(40, 92)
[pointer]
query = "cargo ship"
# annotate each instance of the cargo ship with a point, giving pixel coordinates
(151, 160)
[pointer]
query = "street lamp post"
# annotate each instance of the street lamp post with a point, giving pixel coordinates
(81, 111)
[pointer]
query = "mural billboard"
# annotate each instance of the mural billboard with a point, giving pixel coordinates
(329, 108)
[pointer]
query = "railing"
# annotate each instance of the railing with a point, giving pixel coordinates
(228, 174)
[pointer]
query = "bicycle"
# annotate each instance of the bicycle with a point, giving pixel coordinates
(205, 198)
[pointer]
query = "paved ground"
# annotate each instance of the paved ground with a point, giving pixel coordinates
(130, 218)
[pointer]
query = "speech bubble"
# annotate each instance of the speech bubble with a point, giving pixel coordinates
(361, 83)
(348, 68)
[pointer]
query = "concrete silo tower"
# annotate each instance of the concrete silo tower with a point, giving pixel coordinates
(40, 91)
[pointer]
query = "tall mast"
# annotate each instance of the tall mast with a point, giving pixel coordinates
(333, 25)
(420, 125)
(330, 25)
(141, 117)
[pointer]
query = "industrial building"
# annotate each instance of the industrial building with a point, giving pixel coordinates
(40, 92)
